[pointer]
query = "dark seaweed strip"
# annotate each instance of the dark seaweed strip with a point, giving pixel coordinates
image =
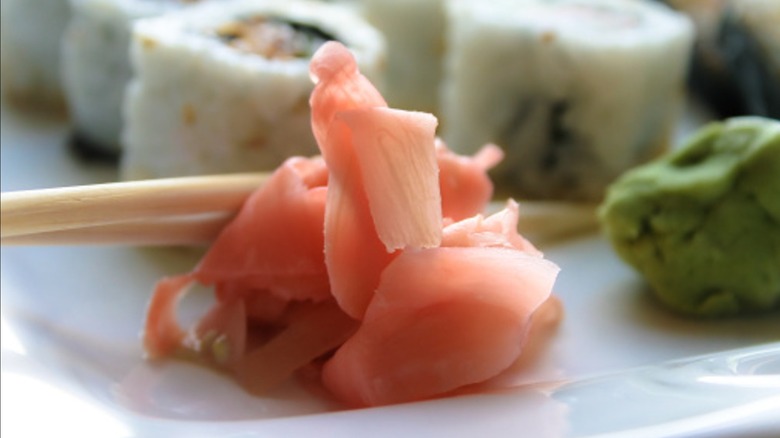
(759, 86)
(559, 138)
(714, 84)
(226, 37)
(314, 34)
(709, 77)
(730, 72)
(309, 30)
(87, 150)
(543, 156)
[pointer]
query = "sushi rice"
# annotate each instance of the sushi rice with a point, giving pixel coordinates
(575, 91)
(211, 97)
(96, 64)
(414, 31)
(30, 35)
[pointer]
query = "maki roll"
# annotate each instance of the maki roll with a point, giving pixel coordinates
(30, 34)
(750, 42)
(575, 91)
(224, 87)
(414, 32)
(96, 65)
(710, 78)
(735, 67)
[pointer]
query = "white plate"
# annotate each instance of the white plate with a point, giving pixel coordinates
(72, 362)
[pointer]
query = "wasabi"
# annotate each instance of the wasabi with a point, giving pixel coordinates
(702, 223)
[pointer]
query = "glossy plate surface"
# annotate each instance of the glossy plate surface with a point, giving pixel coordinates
(72, 363)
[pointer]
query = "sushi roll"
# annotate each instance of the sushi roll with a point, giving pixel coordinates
(750, 42)
(414, 32)
(30, 35)
(96, 65)
(575, 91)
(224, 87)
(709, 79)
(735, 67)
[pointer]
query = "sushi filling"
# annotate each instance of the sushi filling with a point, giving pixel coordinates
(273, 37)
(539, 127)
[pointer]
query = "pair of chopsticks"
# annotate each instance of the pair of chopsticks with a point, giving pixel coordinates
(191, 211)
(172, 211)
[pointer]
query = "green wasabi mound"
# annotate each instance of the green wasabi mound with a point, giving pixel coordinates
(702, 223)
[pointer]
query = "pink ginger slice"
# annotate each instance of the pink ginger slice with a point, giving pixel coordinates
(275, 243)
(272, 248)
(350, 121)
(466, 188)
(442, 318)
(400, 174)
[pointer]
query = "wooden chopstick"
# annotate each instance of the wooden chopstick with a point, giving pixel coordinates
(185, 230)
(192, 211)
(548, 222)
(81, 207)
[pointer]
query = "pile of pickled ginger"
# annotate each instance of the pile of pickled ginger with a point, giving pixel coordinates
(373, 263)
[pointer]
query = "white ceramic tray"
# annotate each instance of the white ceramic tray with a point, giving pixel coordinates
(72, 362)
